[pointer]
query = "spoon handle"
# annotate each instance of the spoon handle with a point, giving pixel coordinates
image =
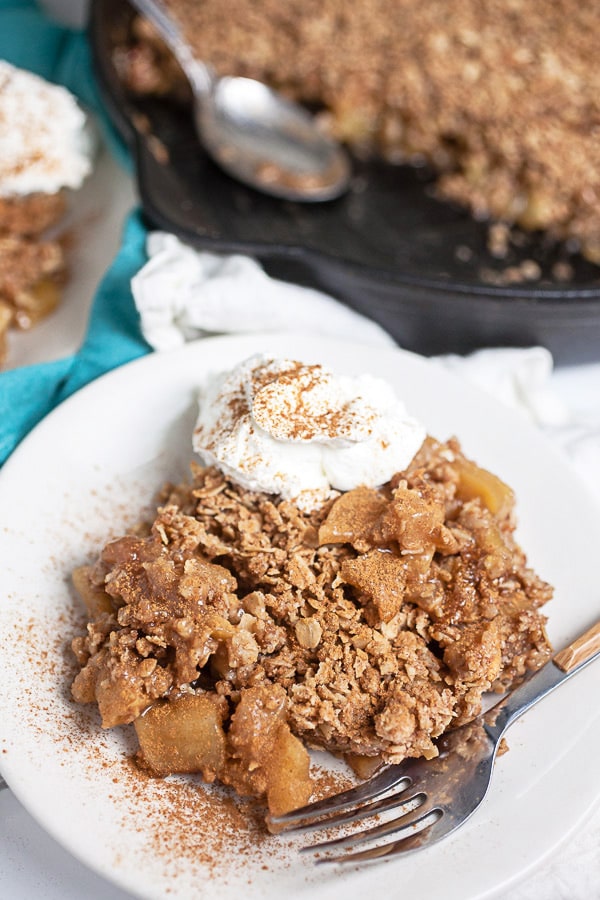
(198, 73)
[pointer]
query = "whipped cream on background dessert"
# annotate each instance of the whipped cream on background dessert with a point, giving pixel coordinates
(283, 427)
(45, 142)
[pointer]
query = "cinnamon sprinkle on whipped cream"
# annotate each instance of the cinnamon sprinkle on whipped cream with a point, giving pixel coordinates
(45, 140)
(284, 427)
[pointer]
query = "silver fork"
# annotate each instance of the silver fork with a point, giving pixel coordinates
(432, 798)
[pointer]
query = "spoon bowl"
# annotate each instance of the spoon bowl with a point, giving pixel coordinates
(252, 132)
(270, 143)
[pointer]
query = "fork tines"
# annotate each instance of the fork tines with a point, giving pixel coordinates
(314, 813)
(382, 794)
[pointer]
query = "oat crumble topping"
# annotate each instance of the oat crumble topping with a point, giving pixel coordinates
(501, 98)
(367, 627)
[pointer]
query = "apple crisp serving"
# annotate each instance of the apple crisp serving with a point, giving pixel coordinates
(31, 275)
(33, 268)
(44, 150)
(501, 98)
(237, 629)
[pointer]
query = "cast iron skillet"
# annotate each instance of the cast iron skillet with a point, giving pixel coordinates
(388, 249)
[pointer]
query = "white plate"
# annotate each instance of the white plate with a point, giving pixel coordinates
(88, 469)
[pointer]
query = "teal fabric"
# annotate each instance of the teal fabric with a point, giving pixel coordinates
(113, 338)
(28, 39)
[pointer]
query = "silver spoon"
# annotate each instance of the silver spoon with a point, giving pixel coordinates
(253, 133)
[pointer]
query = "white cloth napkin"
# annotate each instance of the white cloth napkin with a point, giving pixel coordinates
(182, 294)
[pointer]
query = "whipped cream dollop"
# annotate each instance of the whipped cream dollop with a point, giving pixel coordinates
(45, 141)
(297, 430)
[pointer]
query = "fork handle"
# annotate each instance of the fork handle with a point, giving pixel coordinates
(579, 651)
(563, 665)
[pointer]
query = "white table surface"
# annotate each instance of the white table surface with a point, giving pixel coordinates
(32, 864)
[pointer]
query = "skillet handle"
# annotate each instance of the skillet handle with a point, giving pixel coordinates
(579, 651)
